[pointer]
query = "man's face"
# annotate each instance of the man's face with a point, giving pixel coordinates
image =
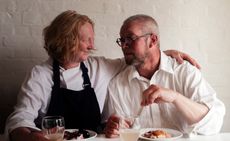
(135, 48)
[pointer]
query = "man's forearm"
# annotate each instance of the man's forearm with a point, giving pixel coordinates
(192, 111)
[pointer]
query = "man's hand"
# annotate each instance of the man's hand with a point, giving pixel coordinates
(180, 57)
(156, 94)
(112, 127)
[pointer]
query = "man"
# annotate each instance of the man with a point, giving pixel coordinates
(158, 89)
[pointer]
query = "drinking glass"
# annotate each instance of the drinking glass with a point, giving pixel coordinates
(129, 128)
(53, 127)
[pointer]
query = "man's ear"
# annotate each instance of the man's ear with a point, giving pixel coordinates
(154, 40)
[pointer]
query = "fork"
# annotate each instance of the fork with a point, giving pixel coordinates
(140, 110)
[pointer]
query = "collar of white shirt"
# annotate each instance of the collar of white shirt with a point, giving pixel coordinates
(165, 65)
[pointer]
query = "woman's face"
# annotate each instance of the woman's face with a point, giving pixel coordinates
(86, 43)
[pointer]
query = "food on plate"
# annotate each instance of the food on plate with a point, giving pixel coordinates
(154, 134)
(77, 134)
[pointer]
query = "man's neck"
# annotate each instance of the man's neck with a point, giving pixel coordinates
(149, 67)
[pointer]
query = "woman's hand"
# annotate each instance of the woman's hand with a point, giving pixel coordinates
(26, 134)
(180, 57)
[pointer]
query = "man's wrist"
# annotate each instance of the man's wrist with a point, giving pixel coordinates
(176, 98)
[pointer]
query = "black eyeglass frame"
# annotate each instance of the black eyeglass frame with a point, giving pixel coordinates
(128, 40)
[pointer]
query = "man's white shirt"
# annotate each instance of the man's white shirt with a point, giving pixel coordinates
(125, 95)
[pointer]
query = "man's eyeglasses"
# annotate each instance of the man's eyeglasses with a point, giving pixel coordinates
(128, 40)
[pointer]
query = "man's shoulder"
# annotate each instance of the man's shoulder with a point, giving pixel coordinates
(173, 65)
(123, 75)
(120, 81)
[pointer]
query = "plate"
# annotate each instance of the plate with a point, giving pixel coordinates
(93, 134)
(174, 133)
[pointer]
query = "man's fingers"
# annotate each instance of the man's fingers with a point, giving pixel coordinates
(149, 95)
(113, 123)
(112, 133)
(112, 127)
(149, 90)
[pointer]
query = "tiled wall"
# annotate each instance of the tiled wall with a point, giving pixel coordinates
(198, 27)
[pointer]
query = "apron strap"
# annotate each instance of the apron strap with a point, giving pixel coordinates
(86, 83)
(56, 74)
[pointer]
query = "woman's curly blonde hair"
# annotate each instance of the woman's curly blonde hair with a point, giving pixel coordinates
(61, 37)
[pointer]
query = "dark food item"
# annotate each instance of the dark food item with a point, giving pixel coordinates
(84, 133)
(80, 134)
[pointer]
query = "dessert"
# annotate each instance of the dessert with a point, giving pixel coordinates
(153, 134)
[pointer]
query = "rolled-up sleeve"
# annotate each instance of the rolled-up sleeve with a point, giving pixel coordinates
(213, 121)
(32, 99)
(200, 91)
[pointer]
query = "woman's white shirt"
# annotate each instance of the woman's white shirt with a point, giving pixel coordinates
(34, 96)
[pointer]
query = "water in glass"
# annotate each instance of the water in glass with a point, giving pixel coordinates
(53, 127)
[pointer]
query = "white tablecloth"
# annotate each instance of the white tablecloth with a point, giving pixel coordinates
(218, 137)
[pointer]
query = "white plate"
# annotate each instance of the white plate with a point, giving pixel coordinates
(92, 135)
(174, 134)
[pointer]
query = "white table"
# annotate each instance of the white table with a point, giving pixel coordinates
(218, 137)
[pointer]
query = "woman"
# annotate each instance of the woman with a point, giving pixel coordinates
(66, 83)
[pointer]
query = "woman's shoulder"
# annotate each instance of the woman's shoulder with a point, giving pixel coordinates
(44, 68)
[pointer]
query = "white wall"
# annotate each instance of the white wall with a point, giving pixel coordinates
(198, 27)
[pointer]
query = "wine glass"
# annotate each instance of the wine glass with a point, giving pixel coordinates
(129, 128)
(53, 127)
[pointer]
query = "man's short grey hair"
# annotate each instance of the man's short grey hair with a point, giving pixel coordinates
(150, 24)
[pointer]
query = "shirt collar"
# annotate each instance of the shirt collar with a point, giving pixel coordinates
(50, 61)
(165, 65)
(132, 73)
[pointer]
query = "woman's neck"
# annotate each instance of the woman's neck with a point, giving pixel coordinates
(67, 66)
